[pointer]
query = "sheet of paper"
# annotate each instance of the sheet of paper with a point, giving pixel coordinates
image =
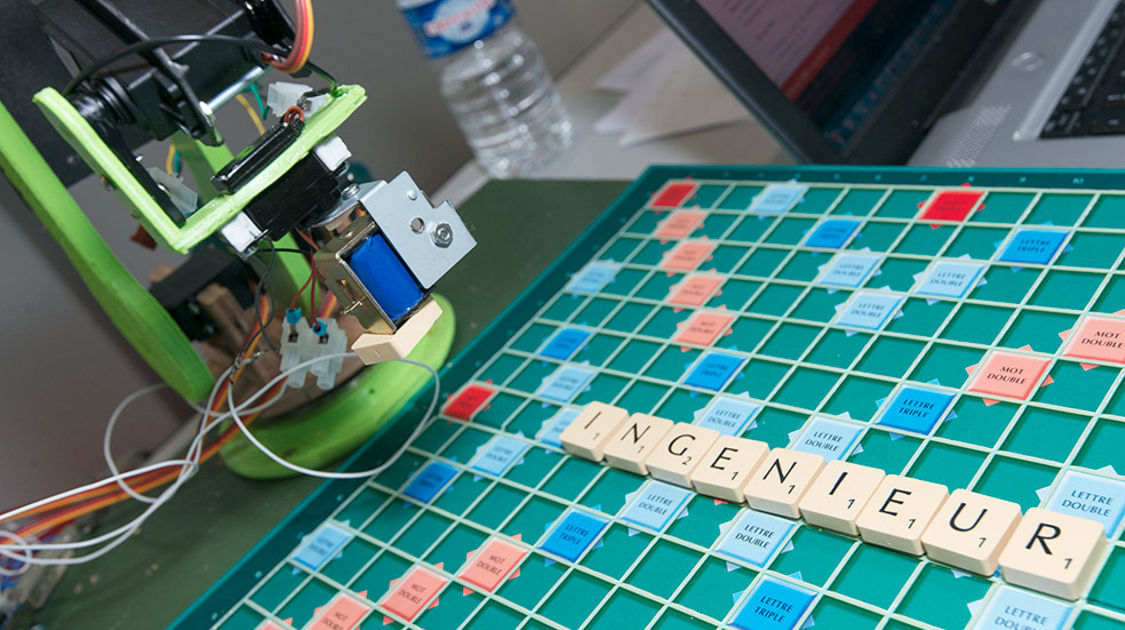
(668, 91)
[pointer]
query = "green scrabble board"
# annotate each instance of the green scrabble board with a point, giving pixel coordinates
(961, 327)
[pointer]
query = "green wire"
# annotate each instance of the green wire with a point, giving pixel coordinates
(263, 111)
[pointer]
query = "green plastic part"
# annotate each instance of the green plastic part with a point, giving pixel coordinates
(218, 211)
(331, 428)
(139, 317)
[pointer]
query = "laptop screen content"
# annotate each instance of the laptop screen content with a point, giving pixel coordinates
(835, 60)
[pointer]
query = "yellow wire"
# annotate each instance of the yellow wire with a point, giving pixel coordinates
(169, 164)
(253, 114)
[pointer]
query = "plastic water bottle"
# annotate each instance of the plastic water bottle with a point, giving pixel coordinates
(494, 81)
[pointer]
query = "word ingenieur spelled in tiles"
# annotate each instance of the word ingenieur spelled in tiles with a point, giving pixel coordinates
(950, 205)
(1037, 247)
(1052, 551)
(1008, 374)
(1098, 339)
(680, 224)
(694, 290)
(777, 198)
(629, 447)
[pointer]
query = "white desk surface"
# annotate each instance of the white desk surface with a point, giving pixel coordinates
(599, 156)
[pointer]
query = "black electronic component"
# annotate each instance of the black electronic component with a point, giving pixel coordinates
(165, 93)
(257, 156)
(297, 199)
(206, 265)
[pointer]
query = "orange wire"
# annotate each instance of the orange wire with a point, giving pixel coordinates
(302, 40)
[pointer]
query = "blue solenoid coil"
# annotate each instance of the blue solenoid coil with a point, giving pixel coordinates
(383, 264)
(386, 277)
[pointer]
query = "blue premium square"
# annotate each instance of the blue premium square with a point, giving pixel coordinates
(498, 455)
(728, 416)
(563, 344)
(777, 198)
(1016, 608)
(573, 534)
(849, 270)
(916, 409)
(773, 605)
(950, 279)
(319, 547)
(868, 310)
(714, 370)
(656, 504)
(831, 439)
(554, 426)
(430, 481)
(756, 537)
(593, 278)
(565, 383)
(1036, 247)
(1089, 496)
(832, 233)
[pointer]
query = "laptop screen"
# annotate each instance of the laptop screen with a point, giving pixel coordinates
(838, 80)
(834, 59)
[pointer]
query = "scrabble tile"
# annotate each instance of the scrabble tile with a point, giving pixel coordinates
(839, 494)
(679, 452)
(969, 531)
(1057, 554)
(633, 441)
(587, 434)
(781, 480)
(727, 466)
(899, 511)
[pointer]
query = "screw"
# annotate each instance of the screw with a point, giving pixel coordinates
(351, 190)
(417, 225)
(412, 194)
(442, 235)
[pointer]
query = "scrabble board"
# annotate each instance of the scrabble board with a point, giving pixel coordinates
(956, 327)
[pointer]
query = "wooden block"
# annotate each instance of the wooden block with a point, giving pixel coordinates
(970, 530)
(587, 434)
(727, 466)
(1057, 554)
(372, 348)
(781, 480)
(899, 511)
(633, 441)
(839, 494)
(679, 452)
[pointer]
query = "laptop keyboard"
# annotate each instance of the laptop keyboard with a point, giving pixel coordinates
(1094, 103)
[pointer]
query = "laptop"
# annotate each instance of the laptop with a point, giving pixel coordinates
(962, 83)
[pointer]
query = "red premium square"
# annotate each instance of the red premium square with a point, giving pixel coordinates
(951, 205)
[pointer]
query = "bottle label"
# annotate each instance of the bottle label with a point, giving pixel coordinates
(446, 26)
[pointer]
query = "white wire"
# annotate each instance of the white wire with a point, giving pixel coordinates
(26, 558)
(189, 465)
(348, 475)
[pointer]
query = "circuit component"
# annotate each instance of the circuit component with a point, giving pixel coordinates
(384, 264)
